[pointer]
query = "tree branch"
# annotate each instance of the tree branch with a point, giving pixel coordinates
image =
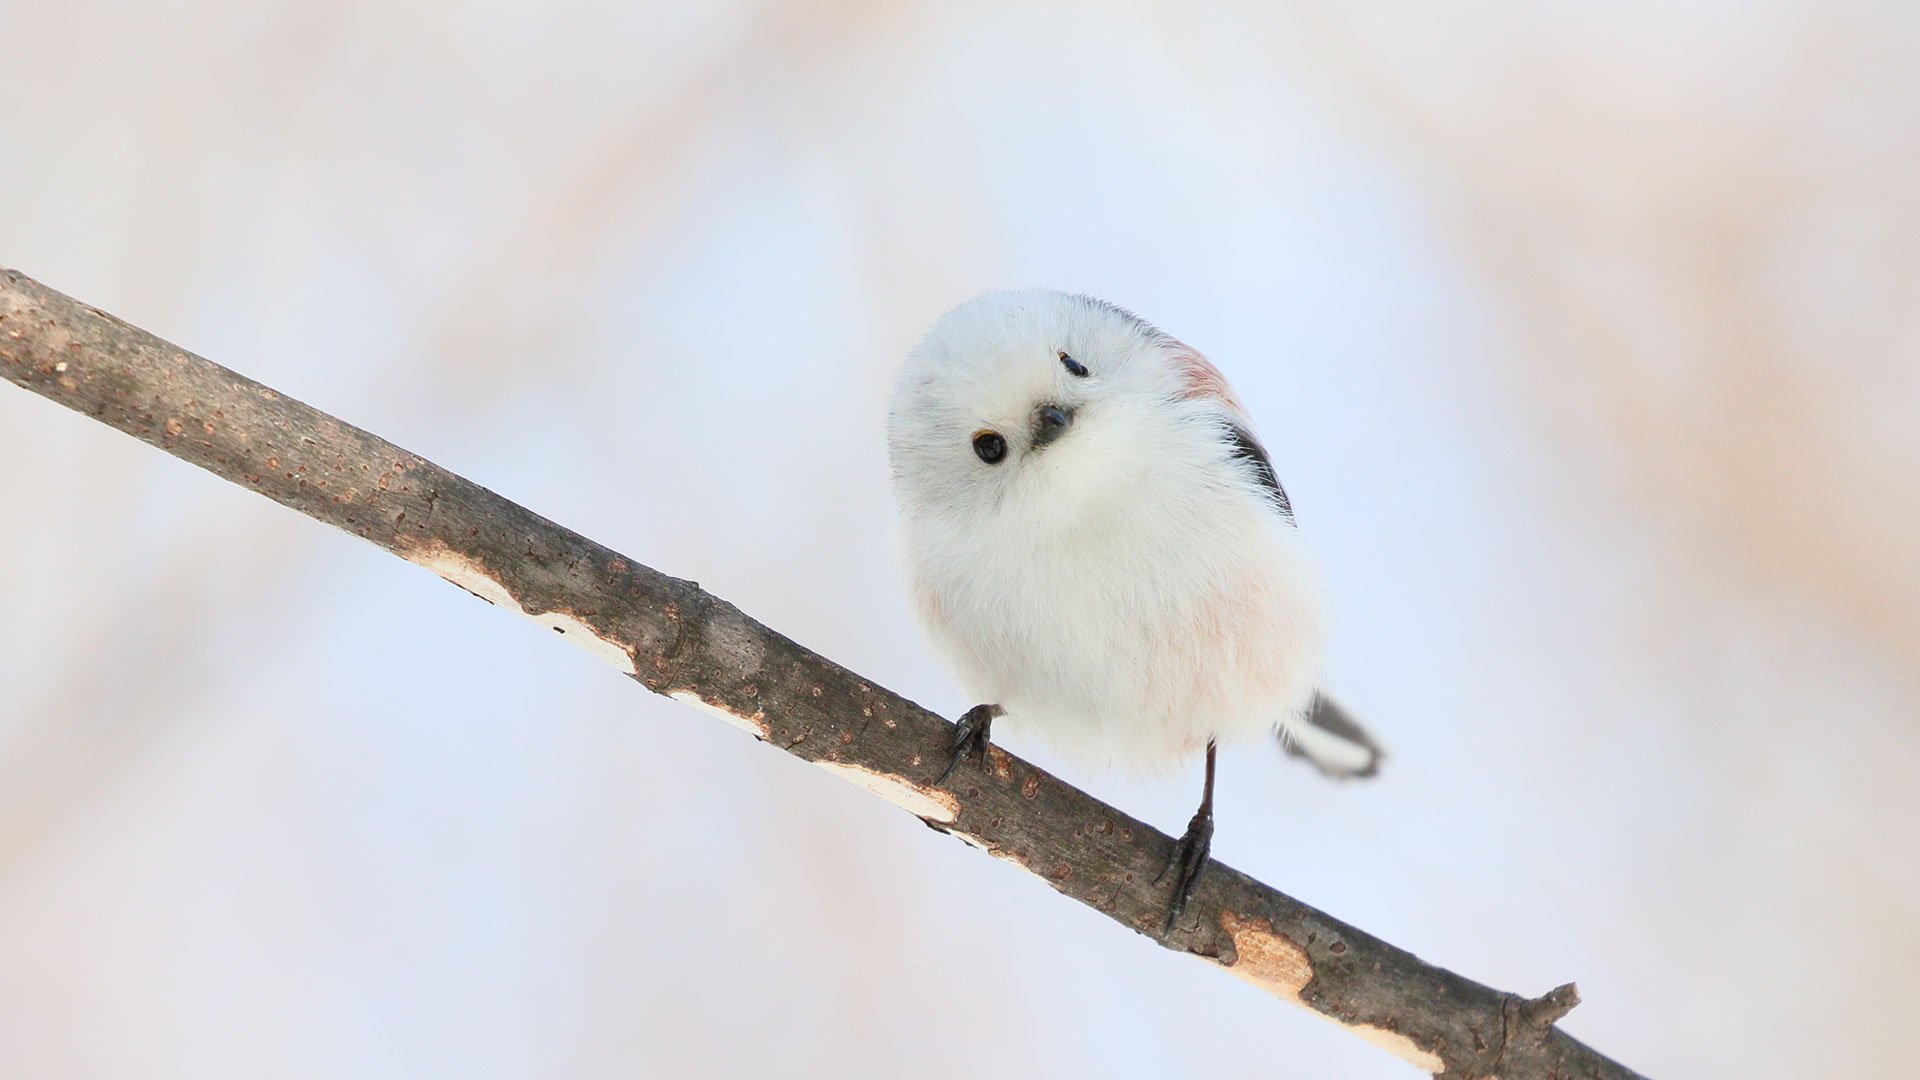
(685, 643)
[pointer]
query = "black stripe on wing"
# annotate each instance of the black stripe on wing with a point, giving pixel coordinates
(1249, 450)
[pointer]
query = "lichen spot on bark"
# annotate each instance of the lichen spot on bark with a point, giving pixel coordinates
(921, 801)
(754, 724)
(606, 650)
(1402, 1047)
(474, 577)
(1275, 964)
(465, 573)
(1266, 959)
(977, 843)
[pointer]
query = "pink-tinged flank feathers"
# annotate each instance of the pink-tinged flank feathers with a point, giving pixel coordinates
(1203, 380)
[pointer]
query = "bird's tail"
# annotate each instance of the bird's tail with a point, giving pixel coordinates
(1326, 736)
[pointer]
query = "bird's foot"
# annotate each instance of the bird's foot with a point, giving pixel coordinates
(970, 736)
(1189, 855)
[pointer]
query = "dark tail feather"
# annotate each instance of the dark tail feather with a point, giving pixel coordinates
(1332, 741)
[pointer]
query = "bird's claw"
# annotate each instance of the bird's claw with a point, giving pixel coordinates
(971, 735)
(1189, 855)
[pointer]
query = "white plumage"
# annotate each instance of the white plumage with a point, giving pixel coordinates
(1126, 585)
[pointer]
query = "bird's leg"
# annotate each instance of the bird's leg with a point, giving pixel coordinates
(971, 734)
(1190, 854)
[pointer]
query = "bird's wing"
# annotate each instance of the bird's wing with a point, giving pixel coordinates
(1203, 381)
(1247, 448)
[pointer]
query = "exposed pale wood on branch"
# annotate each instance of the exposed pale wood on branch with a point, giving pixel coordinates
(683, 642)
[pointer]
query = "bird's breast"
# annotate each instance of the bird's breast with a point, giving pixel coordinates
(1175, 621)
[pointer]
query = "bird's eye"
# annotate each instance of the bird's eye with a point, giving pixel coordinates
(990, 446)
(1074, 367)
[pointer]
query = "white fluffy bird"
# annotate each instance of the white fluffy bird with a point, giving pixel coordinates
(1098, 544)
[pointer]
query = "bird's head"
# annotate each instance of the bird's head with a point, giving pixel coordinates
(1033, 396)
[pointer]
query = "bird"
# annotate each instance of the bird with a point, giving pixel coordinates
(1096, 541)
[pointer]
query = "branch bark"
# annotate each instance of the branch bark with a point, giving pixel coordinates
(683, 642)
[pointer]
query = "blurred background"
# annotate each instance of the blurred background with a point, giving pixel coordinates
(1586, 338)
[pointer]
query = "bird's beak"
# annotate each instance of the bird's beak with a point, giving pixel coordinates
(1050, 422)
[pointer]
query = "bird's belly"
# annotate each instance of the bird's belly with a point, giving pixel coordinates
(1137, 661)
